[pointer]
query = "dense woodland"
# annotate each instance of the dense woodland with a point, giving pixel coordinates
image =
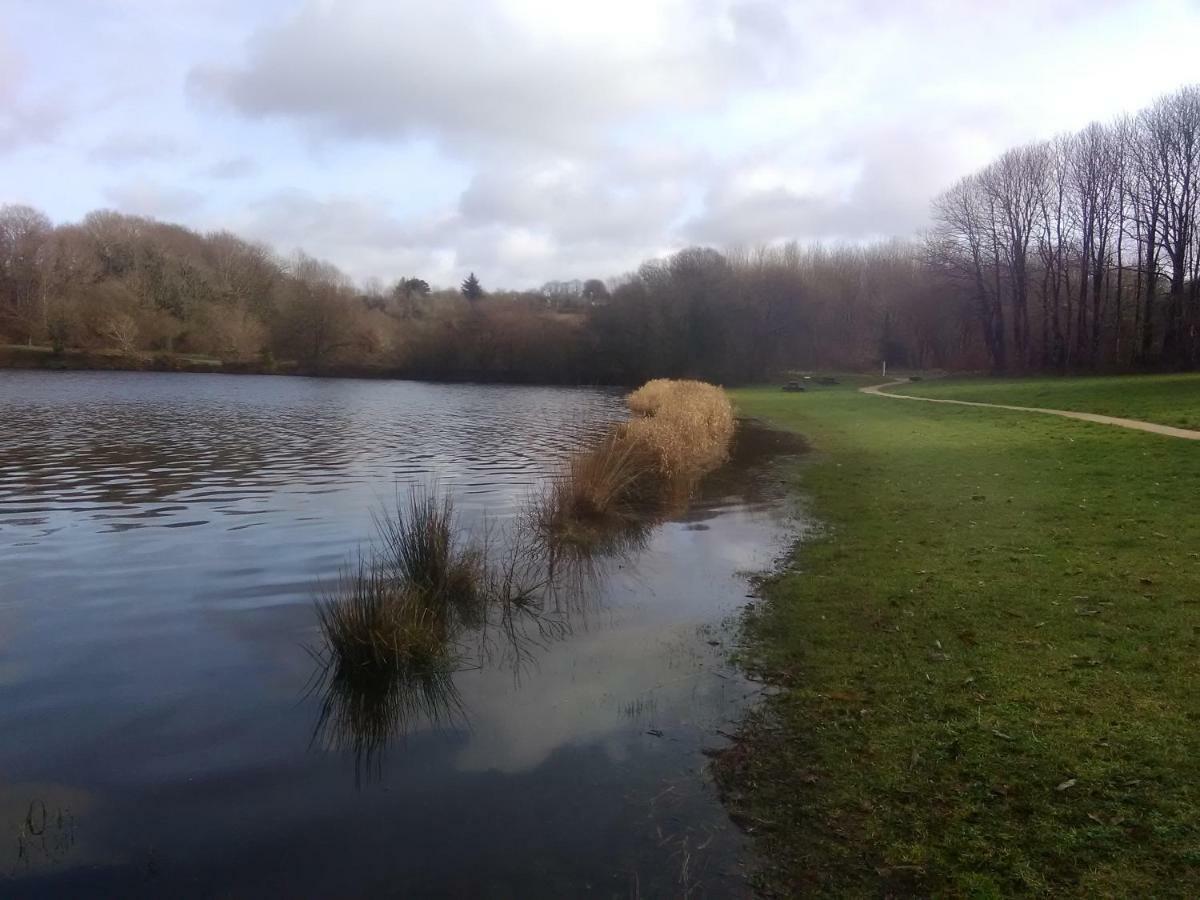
(1078, 253)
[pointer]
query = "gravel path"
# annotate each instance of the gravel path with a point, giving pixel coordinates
(1136, 424)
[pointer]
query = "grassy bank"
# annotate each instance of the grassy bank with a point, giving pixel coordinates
(1166, 399)
(992, 657)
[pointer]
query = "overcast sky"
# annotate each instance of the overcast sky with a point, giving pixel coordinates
(530, 140)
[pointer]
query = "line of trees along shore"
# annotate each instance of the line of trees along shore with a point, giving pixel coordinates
(1081, 253)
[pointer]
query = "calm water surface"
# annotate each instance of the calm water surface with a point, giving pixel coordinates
(162, 538)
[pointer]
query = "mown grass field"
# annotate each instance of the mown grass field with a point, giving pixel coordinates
(992, 654)
(1166, 399)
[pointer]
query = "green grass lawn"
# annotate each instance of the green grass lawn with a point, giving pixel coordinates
(991, 653)
(1166, 399)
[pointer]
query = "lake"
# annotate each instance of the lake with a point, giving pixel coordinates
(162, 540)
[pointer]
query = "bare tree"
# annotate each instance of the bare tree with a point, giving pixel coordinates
(966, 245)
(1095, 179)
(22, 232)
(1014, 186)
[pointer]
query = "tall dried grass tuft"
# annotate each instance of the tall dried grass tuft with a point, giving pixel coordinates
(685, 425)
(599, 482)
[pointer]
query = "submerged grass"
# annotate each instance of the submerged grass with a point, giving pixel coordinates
(387, 660)
(394, 628)
(399, 610)
(604, 480)
(991, 654)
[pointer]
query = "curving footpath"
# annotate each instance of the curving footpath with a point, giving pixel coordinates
(1135, 424)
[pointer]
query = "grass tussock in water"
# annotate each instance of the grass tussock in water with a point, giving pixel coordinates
(387, 663)
(681, 430)
(426, 553)
(393, 628)
(390, 628)
(398, 611)
(374, 624)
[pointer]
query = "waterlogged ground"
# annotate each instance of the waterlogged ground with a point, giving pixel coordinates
(161, 537)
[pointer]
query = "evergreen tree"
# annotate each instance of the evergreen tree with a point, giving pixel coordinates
(471, 288)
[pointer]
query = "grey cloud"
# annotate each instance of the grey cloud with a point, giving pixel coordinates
(24, 124)
(234, 167)
(898, 172)
(130, 147)
(361, 236)
(575, 202)
(594, 135)
(150, 198)
(763, 20)
(299, 218)
(25, 120)
(759, 216)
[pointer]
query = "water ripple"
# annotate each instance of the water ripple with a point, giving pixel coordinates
(127, 449)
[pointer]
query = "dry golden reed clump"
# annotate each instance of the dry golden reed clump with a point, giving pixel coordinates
(682, 429)
(686, 425)
(600, 487)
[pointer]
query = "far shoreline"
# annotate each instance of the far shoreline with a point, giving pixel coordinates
(45, 359)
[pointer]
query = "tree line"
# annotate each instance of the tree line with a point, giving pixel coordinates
(1082, 252)
(129, 285)
(1077, 253)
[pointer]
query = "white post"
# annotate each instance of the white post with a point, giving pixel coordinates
(884, 375)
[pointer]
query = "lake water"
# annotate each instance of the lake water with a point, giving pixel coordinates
(162, 539)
